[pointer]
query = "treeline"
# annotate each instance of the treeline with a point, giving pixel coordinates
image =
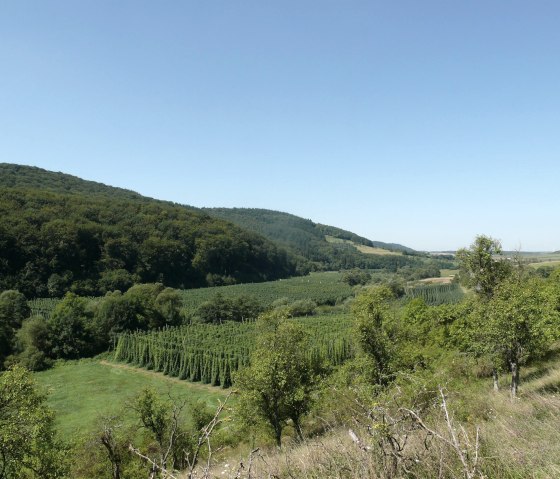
(53, 242)
(79, 327)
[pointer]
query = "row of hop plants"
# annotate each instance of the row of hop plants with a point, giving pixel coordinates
(322, 288)
(436, 294)
(211, 353)
(42, 306)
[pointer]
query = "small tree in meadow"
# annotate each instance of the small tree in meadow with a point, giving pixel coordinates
(277, 386)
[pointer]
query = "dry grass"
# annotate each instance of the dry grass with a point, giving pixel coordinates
(379, 251)
(519, 439)
(445, 280)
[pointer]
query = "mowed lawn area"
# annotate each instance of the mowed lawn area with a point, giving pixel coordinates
(81, 392)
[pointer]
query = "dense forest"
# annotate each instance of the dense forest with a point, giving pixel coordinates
(59, 233)
(305, 238)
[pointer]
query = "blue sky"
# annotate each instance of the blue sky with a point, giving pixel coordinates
(418, 122)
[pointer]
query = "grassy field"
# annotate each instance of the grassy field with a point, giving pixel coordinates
(553, 263)
(363, 248)
(372, 250)
(81, 392)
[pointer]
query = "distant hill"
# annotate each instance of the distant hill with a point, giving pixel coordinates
(60, 233)
(326, 247)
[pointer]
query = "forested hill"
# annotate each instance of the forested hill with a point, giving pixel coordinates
(31, 177)
(326, 246)
(60, 233)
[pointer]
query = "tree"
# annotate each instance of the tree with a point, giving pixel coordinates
(371, 310)
(28, 448)
(480, 268)
(71, 328)
(356, 276)
(13, 310)
(521, 324)
(32, 344)
(162, 420)
(277, 386)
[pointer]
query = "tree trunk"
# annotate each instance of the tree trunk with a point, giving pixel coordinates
(514, 378)
(278, 435)
(297, 427)
(495, 379)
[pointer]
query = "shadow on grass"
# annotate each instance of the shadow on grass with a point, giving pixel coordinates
(551, 388)
(536, 374)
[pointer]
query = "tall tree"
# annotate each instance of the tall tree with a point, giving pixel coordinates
(371, 309)
(277, 386)
(482, 267)
(521, 323)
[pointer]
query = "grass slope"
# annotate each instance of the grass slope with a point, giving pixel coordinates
(80, 392)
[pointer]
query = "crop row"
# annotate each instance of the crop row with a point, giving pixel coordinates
(211, 353)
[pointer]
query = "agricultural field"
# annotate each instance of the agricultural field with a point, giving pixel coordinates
(323, 288)
(80, 392)
(436, 294)
(373, 250)
(362, 248)
(42, 306)
(211, 353)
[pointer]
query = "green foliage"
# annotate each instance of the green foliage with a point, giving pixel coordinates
(42, 306)
(220, 309)
(89, 239)
(480, 265)
(162, 420)
(277, 386)
(153, 414)
(71, 330)
(28, 448)
(355, 277)
(142, 307)
(371, 311)
(13, 310)
(33, 343)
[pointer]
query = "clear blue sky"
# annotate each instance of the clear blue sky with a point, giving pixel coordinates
(418, 122)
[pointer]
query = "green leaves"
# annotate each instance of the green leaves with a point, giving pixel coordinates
(277, 386)
(27, 445)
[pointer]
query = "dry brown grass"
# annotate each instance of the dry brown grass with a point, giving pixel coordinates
(519, 439)
(379, 251)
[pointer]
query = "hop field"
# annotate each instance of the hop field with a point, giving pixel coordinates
(211, 353)
(323, 288)
(436, 294)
